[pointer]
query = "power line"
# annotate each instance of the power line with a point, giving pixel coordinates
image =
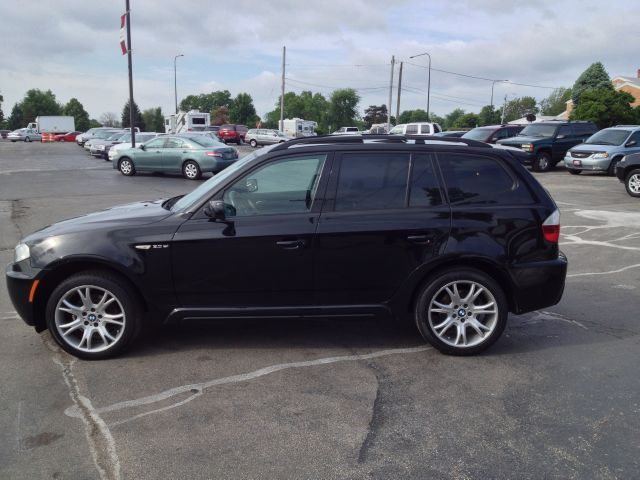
(293, 80)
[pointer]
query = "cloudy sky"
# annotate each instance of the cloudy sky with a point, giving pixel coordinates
(71, 47)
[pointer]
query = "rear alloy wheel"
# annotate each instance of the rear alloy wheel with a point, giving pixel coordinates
(27, 139)
(126, 167)
(542, 162)
(573, 171)
(93, 315)
(253, 143)
(191, 170)
(461, 312)
(632, 183)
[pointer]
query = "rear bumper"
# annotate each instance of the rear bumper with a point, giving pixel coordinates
(539, 284)
(20, 282)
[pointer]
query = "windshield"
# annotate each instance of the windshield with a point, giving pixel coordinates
(609, 136)
(538, 130)
(104, 135)
(205, 141)
(396, 129)
(115, 136)
(191, 198)
(478, 134)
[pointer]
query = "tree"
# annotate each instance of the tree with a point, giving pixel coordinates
(110, 119)
(375, 114)
(242, 110)
(556, 102)
(343, 108)
(75, 109)
(93, 123)
(468, 120)
(306, 105)
(138, 121)
(452, 117)
(605, 107)
(220, 115)
(153, 119)
(1, 112)
(519, 107)
(594, 77)
(417, 115)
(35, 103)
(16, 118)
(206, 102)
(488, 116)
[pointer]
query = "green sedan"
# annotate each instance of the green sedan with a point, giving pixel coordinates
(189, 155)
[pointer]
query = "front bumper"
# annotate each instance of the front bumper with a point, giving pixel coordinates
(538, 284)
(20, 278)
(587, 164)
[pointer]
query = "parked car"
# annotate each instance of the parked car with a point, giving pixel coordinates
(24, 135)
(232, 133)
(124, 142)
(83, 137)
(97, 145)
(546, 143)
(628, 172)
(265, 136)
(66, 137)
(416, 128)
(603, 150)
(493, 133)
(347, 131)
(212, 128)
(4, 133)
(189, 155)
(101, 137)
(451, 133)
(453, 236)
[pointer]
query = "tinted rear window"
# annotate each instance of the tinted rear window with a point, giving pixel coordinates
(227, 127)
(425, 190)
(475, 179)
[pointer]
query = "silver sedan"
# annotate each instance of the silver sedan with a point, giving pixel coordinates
(24, 135)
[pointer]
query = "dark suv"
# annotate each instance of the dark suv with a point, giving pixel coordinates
(546, 143)
(453, 234)
(493, 133)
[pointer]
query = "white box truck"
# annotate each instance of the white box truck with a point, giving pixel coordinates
(53, 124)
(298, 127)
(191, 121)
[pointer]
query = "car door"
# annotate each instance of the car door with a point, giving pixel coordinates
(151, 157)
(263, 256)
(172, 155)
(565, 139)
(384, 216)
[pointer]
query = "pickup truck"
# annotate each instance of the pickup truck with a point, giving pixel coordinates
(346, 131)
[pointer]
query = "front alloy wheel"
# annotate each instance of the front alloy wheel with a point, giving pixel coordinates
(92, 316)
(542, 162)
(633, 183)
(126, 167)
(461, 312)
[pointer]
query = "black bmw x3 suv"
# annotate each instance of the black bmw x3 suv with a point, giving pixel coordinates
(453, 234)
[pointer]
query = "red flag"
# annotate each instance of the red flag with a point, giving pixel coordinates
(123, 43)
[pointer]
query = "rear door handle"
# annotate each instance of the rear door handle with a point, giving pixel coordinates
(290, 244)
(419, 239)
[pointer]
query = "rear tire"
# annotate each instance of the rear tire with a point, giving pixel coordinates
(125, 165)
(253, 143)
(81, 323)
(632, 183)
(542, 162)
(573, 171)
(62, 140)
(27, 139)
(191, 170)
(461, 311)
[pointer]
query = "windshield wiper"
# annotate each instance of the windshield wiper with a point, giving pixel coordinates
(167, 204)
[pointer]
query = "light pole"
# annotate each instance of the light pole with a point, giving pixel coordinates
(175, 80)
(428, 81)
(493, 84)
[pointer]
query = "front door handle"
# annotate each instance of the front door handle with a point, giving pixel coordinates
(290, 244)
(419, 239)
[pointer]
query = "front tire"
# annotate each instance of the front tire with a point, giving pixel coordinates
(126, 167)
(461, 312)
(253, 143)
(612, 167)
(27, 139)
(191, 170)
(632, 183)
(542, 162)
(93, 315)
(62, 140)
(573, 171)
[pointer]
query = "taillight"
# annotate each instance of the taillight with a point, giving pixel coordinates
(214, 154)
(551, 227)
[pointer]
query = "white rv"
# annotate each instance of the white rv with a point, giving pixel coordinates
(297, 127)
(191, 121)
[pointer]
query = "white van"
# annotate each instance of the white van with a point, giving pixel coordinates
(416, 128)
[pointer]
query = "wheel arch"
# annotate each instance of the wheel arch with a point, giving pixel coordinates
(62, 270)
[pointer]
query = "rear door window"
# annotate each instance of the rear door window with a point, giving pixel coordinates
(476, 180)
(372, 181)
(412, 130)
(424, 186)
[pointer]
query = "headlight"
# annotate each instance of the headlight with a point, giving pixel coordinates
(21, 252)
(601, 155)
(100, 147)
(527, 147)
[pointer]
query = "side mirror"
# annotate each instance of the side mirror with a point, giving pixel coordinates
(559, 137)
(142, 147)
(217, 210)
(630, 143)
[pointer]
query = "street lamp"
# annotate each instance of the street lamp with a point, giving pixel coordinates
(175, 80)
(428, 81)
(493, 83)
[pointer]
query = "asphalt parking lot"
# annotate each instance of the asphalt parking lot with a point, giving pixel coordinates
(557, 397)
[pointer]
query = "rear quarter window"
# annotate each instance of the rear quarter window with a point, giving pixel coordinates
(480, 180)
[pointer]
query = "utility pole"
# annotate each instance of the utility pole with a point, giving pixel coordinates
(399, 91)
(503, 107)
(393, 61)
(131, 114)
(281, 126)
(175, 80)
(428, 81)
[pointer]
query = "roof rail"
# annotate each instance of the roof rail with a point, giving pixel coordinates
(352, 139)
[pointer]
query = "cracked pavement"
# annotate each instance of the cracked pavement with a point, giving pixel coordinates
(556, 397)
